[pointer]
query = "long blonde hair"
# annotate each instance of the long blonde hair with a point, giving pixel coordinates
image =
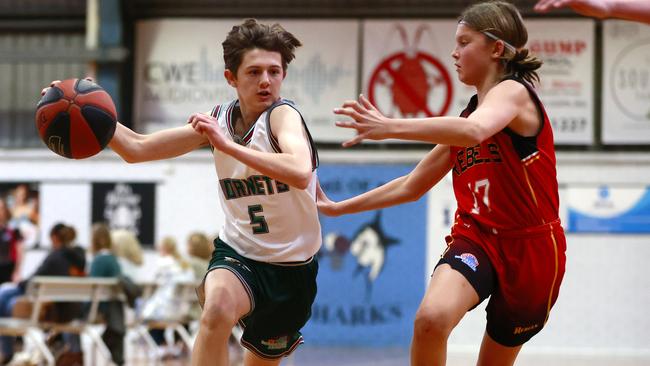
(127, 245)
(168, 244)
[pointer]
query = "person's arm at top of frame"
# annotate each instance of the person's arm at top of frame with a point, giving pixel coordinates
(637, 10)
(292, 166)
(499, 107)
(433, 167)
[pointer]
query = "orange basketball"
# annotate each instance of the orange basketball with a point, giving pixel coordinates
(76, 118)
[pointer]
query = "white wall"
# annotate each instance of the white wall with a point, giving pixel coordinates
(603, 301)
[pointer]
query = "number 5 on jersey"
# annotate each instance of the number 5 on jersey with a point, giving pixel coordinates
(481, 189)
(258, 221)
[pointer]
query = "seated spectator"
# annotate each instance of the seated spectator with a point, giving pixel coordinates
(128, 250)
(11, 247)
(63, 260)
(105, 264)
(170, 269)
(24, 214)
(199, 251)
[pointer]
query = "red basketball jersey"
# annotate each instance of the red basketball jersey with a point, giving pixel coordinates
(507, 181)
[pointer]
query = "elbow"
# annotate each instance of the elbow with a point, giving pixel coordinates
(302, 180)
(472, 136)
(129, 158)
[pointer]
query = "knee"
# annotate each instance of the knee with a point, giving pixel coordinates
(219, 315)
(433, 322)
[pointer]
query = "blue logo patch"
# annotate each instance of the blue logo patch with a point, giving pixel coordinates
(469, 259)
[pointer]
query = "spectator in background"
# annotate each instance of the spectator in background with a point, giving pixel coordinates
(64, 260)
(128, 250)
(105, 264)
(636, 10)
(24, 214)
(199, 251)
(170, 269)
(11, 248)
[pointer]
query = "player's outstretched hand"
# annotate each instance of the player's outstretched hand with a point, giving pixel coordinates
(591, 8)
(325, 205)
(366, 120)
(208, 127)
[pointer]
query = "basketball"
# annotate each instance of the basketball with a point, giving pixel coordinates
(76, 118)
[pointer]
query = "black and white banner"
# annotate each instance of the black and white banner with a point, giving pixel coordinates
(129, 206)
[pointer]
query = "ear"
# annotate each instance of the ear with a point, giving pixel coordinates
(230, 78)
(498, 49)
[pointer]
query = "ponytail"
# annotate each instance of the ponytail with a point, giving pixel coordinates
(523, 65)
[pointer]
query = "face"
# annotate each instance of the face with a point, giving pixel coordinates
(258, 79)
(473, 55)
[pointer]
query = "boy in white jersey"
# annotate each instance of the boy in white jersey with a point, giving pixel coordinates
(263, 270)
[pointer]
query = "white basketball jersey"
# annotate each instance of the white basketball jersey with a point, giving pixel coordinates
(266, 220)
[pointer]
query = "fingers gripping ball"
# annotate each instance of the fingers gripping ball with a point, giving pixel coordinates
(76, 118)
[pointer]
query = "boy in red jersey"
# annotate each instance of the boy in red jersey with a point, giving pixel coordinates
(506, 243)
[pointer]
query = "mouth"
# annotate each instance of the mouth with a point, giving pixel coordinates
(264, 93)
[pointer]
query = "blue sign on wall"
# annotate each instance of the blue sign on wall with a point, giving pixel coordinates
(371, 276)
(605, 209)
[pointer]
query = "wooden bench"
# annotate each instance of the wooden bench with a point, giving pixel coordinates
(55, 289)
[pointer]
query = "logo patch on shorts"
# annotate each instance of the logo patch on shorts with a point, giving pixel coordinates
(276, 343)
(236, 262)
(469, 259)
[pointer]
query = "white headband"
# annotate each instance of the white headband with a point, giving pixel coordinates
(495, 38)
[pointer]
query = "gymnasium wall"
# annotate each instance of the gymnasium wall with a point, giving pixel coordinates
(603, 301)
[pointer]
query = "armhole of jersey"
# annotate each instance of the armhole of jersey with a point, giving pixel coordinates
(538, 105)
(274, 142)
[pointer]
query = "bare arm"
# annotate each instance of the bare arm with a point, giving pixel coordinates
(498, 109)
(292, 166)
(134, 147)
(433, 167)
(636, 10)
(20, 253)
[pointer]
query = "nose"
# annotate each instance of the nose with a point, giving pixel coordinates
(264, 79)
(454, 53)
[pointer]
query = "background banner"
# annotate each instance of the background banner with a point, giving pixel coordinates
(626, 83)
(607, 209)
(175, 78)
(371, 273)
(129, 206)
(567, 76)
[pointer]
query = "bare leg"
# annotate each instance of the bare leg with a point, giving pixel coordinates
(226, 301)
(446, 301)
(493, 353)
(250, 359)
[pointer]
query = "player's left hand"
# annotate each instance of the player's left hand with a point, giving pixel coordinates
(367, 120)
(208, 127)
(324, 204)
